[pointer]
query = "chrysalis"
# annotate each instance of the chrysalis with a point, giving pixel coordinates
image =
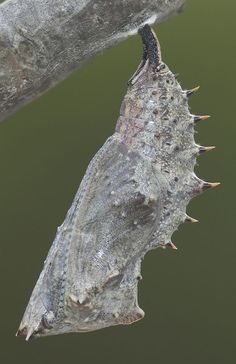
(132, 198)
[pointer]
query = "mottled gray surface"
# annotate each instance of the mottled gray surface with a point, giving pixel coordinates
(42, 41)
(131, 200)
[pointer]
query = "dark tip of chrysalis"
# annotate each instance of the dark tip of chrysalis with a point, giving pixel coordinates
(151, 55)
(22, 332)
(151, 46)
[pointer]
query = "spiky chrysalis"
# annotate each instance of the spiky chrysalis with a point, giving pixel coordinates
(132, 198)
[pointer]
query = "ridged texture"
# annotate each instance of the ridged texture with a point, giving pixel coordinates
(132, 198)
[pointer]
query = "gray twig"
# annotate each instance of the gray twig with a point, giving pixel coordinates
(42, 41)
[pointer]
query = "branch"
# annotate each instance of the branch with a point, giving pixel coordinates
(43, 41)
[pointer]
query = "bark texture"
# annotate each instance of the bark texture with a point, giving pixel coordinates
(42, 41)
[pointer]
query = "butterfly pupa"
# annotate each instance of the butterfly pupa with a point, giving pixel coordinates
(132, 198)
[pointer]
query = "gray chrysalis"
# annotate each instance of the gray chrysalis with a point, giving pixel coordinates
(132, 198)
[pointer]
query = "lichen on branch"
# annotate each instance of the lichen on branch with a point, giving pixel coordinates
(43, 41)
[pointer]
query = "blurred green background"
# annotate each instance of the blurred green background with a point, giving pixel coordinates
(188, 295)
